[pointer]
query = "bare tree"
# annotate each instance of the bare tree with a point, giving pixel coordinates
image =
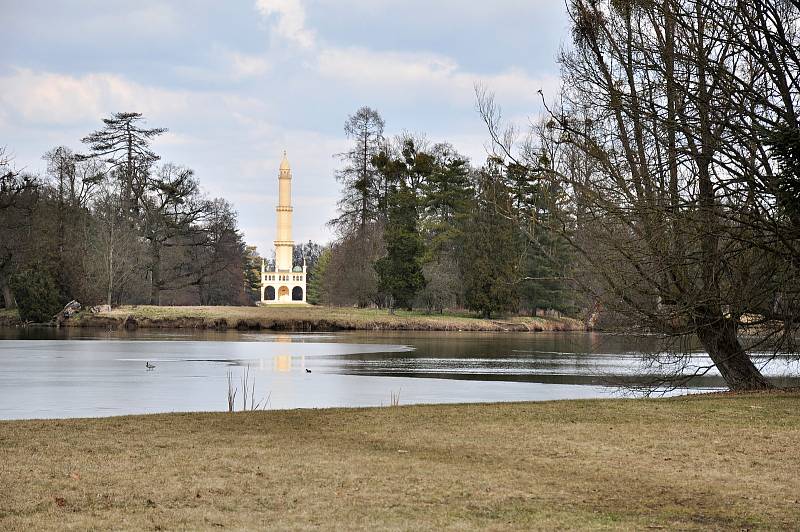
(115, 243)
(19, 194)
(173, 210)
(676, 214)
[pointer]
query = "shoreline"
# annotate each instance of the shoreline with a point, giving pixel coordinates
(793, 393)
(572, 464)
(302, 318)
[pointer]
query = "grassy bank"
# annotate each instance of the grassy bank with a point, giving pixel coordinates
(9, 318)
(310, 318)
(714, 462)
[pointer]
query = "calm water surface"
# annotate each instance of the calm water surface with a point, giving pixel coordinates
(49, 373)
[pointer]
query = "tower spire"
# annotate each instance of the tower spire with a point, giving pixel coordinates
(284, 243)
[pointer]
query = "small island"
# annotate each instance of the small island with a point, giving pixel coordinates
(310, 318)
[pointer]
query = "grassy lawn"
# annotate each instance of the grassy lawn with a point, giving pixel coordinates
(719, 462)
(316, 317)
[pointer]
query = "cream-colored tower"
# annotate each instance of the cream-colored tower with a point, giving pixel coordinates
(286, 284)
(284, 243)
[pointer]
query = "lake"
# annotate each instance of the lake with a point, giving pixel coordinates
(50, 373)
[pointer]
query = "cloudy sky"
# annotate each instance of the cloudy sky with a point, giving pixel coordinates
(237, 82)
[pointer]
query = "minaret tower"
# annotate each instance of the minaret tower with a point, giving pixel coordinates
(284, 243)
(285, 284)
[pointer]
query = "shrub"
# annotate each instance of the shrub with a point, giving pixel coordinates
(36, 295)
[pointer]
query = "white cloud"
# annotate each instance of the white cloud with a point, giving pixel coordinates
(225, 66)
(50, 99)
(407, 74)
(247, 66)
(401, 74)
(290, 20)
(57, 99)
(363, 66)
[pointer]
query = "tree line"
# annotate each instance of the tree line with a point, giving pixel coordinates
(113, 224)
(419, 226)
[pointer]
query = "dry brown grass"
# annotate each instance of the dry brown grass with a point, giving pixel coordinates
(690, 463)
(296, 317)
(9, 317)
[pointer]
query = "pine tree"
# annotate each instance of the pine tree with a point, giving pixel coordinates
(360, 187)
(785, 143)
(251, 263)
(400, 271)
(548, 255)
(490, 253)
(125, 146)
(447, 193)
(316, 278)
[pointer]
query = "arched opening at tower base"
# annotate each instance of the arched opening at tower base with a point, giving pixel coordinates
(297, 294)
(269, 293)
(283, 293)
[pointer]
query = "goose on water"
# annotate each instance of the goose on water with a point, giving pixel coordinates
(148, 365)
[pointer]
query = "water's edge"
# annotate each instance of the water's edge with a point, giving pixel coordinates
(298, 319)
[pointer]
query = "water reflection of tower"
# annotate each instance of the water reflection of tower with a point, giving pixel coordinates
(282, 363)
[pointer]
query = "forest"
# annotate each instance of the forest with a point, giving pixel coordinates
(419, 226)
(115, 225)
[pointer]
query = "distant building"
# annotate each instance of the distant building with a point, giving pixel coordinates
(287, 283)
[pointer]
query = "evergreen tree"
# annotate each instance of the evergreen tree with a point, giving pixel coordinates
(400, 271)
(316, 278)
(125, 146)
(447, 194)
(360, 187)
(359, 223)
(252, 273)
(490, 252)
(547, 260)
(785, 143)
(538, 208)
(36, 294)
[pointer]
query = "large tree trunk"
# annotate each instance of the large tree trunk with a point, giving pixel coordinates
(719, 338)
